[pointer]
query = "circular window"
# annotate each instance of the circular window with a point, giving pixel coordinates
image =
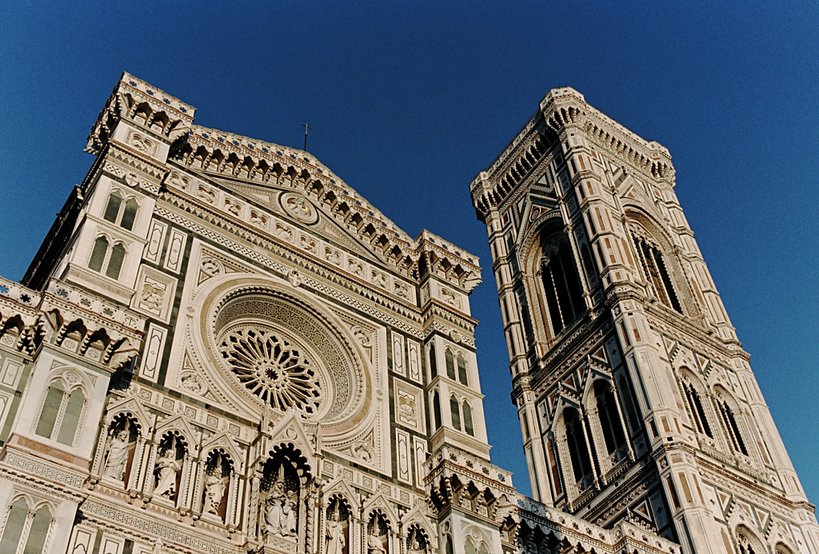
(276, 348)
(272, 368)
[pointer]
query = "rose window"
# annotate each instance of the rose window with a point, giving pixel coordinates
(272, 368)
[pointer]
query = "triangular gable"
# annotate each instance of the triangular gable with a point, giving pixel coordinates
(325, 224)
(129, 406)
(289, 431)
(341, 488)
(178, 425)
(378, 503)
(224, 442)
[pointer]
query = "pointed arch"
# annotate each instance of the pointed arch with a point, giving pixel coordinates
(462, 370)
(455, 412)
(728, 412)
(469, 427)
(693, 394)
(449, 359)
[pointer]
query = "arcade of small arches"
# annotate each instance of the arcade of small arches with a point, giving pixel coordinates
(270, 499)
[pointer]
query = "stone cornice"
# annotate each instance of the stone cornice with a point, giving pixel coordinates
(560, 109)
(144, 105)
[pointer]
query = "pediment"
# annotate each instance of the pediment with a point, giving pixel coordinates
(290, 431)
(378, 503)
(129, 406)
(224, 443)
(340, 488)
(295, 208)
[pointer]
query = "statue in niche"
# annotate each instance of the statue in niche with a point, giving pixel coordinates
(215, 483)
(375, 543)
(335, 535)
(416, 542)
(281, 508)
(214, 492)
(117, 455)
(167, 469)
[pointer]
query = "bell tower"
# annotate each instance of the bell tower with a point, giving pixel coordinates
(634, 395)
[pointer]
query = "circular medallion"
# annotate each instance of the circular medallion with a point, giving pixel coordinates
(299, 207)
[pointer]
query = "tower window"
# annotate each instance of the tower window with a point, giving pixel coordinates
(433, 363)
(121, 212)
(436, 409)
(561, 287)
(449, 358)
(105, 259)
(731, 427)
(656, 272)
(25, 527)
(468, 426)
(692, 397)
(462, 369)
(60, 416)
(609, 417)
(455, 411)
(576, 440)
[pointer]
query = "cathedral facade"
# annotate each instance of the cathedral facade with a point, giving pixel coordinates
(221, 347)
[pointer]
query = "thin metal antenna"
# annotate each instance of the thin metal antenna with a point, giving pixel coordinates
(306, 132)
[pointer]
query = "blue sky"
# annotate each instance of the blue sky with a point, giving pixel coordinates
(409, 100)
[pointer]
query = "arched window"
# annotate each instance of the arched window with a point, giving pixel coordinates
(450, 364)
(731, 428)
(628, 400)
(60, 416)
(448, 548)
(98, 254)
(609, 417)
(129, 214)
(561, 287)
(113, 207)
(454, 409)
(551, 454)
(747, 542)
(654, 268)
(462, 369)
(433, 363)
(38, 532)
(17, 532)
(576, 441)
(436, 409)
(119, 212)
(695, 408)
(105, 259)
(467, 411)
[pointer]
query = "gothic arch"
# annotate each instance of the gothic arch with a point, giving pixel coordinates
(378, 504)
(747, 541)
(553, 279)
(733, 421)
(178, 426)
(224, 444)
(671, 279)
(696, 400)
